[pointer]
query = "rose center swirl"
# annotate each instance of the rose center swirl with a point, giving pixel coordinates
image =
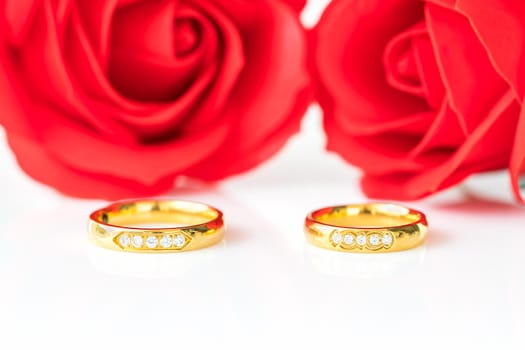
(159, 50)
(410, 65)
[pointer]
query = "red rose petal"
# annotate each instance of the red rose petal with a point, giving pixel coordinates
(187, 35)
(350, 63)
(484, 150)
(145, 118)
(283, 83)
(367, 121)
(464, 66)
(33, 158)
(13, 100)
(499, 26)
(296, 4)
(144, 65)
(232, 63)
(18, 15)
(492, 22)
(444, 135)
(428, 70)
(96, 17)
(89, 153)
(517, 162)
(401, 68)
(48, 78)
(376, 149)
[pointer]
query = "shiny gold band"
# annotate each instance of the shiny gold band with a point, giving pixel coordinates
(156, 226)
(366, 228)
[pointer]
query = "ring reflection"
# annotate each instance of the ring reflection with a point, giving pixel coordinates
(365, 266)
(152, 266)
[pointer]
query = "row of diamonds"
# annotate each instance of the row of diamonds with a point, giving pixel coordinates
(375, 240)
(139, 241)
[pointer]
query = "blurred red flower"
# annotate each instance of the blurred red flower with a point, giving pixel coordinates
(118, 98)
(422, 94)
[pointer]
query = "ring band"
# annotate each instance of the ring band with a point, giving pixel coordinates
(366, 228)
(180, 226)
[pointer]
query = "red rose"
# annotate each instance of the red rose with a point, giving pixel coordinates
(421, 95)
(119, 98)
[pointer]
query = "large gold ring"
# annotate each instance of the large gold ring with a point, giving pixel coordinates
(156, 226)
(366, 228)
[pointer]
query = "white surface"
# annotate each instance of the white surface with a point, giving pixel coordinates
(264, 285)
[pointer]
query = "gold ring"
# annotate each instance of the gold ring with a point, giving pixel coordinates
(366, 228)
(156, 226)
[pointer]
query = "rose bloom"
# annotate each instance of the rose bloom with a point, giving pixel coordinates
(120, 98)
(422, 94)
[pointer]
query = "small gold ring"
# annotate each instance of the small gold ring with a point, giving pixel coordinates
(366, 228)
(156, 226)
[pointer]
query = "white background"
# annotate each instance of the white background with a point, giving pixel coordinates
(264, 286)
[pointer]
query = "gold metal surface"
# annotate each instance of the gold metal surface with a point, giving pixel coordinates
(156, 226)
(366, 228)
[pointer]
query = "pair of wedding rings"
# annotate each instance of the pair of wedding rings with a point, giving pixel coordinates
(161, 226)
